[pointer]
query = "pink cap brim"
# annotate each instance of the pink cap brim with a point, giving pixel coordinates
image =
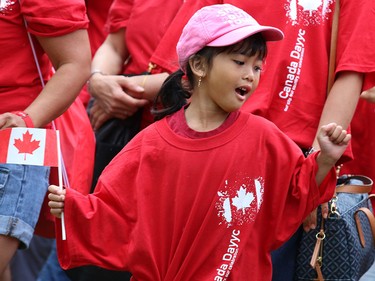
(269, 33)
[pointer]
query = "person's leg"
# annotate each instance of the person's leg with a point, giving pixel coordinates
(22, 190)
(8, 246)
(26, 264)
(6, 275)
(52, 270)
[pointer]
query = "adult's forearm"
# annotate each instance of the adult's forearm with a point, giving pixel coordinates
(342, 100)
(111, 55)
(71, 57)
(58, 94)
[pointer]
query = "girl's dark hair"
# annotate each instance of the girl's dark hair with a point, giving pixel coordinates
(176, 89)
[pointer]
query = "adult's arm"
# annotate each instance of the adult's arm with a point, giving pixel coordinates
(70, 55)
(339, 108)
(115, 95)
(342, 100)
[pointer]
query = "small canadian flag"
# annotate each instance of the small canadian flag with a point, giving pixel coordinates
(29, 146)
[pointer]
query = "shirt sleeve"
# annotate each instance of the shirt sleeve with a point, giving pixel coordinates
(356, 38)
(291, 191)
(90, 221)
(87, 220)
(118, 15)
(54, 18)
(306, 195)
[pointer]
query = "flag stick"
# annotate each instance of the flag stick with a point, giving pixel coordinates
(63, 232)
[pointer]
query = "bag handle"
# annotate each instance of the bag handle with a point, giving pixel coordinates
(63, 168)
(62, 172)
(371, 219)
(366, 187)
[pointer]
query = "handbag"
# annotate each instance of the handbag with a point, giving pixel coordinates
(342, 246)
(111, 138)
(113, 135)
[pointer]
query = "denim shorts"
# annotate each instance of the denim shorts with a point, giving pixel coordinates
(22, 191)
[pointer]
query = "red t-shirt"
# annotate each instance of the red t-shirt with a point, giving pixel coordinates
(175, 208)
(97, 11)
(19, 79)
(363, 138)
(145, 23)
(357, 43)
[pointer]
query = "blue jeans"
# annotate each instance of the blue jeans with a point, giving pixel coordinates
(26, 264)
(52, 270)
(369, 275)
(22, 191)
(284, 258)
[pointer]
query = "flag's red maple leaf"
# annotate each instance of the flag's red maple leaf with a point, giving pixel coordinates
(26, 145)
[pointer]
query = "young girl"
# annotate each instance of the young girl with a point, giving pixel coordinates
(206, 192)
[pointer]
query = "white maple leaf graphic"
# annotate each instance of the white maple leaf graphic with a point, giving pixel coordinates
(243, 199)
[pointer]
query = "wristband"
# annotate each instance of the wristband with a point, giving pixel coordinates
(94, 72)
(26, 118)
(311, 150)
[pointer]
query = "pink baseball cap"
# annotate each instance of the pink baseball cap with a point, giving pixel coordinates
(219, 25)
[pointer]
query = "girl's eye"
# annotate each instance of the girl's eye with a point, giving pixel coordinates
(258, 69)
(239, 62)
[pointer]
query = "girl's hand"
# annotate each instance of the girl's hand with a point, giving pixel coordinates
(333, 140)
(57, 198)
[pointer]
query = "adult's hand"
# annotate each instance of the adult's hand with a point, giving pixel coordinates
(311, 220)
(10, 120)
(369, 95)
(98, 116)
(117, 95)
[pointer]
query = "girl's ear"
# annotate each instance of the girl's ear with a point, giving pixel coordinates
(198, 65)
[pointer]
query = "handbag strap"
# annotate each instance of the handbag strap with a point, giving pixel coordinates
(366, 187)
(63, 168)
(371, 219)
(33, 51)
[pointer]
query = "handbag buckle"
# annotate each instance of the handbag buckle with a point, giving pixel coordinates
(333, 211)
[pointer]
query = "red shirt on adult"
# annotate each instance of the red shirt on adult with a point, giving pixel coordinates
(19, 80)
(292, 91)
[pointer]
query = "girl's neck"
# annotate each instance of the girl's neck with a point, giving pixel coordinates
(202, 119)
